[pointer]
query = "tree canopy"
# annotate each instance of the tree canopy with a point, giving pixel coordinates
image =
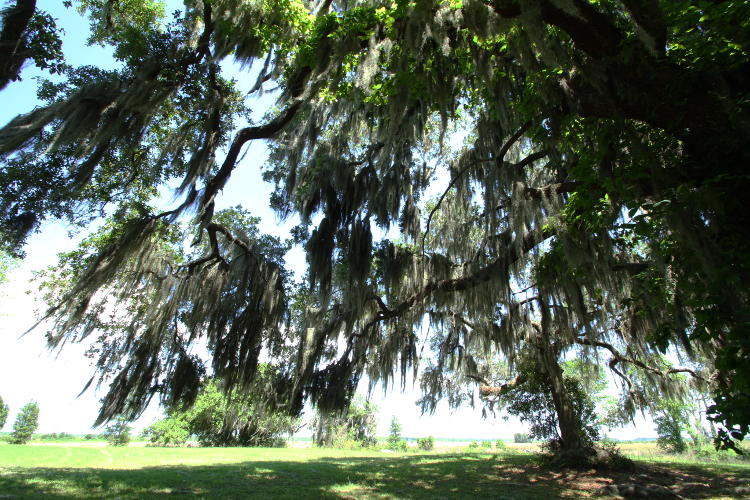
(594, 207)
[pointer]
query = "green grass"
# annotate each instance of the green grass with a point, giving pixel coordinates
(67, 472)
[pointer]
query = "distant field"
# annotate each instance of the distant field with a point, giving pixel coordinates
(71, 472)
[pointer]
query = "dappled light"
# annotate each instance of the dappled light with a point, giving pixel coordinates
(273, 473)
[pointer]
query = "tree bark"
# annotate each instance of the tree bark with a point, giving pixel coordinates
(568, 422)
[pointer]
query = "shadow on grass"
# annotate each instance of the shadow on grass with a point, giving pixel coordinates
(415, 476)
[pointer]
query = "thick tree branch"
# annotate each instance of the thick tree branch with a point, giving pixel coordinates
(15, 20)
(649, 16)
(487, 390)
(591, 31)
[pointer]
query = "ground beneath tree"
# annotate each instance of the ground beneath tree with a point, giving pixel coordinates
(81, 472)
(644, 481)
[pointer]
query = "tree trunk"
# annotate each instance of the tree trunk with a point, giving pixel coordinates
(568, 422)
(547, 354)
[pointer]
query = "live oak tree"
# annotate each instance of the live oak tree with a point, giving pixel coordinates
(597, 204)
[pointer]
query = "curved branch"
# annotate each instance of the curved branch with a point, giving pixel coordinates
(618, 357)
(245, 135)
(512, 254)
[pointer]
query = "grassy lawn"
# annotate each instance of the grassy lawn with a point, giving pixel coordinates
(59, 472)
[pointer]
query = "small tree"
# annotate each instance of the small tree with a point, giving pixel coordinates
(3, 413)
(26, 423)
(394, 436)
(671, 418)
(117, 433)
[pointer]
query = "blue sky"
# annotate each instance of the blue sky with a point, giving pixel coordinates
(29, 371)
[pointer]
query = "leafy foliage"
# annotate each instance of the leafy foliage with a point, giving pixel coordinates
(7, 263)
(219, 419)
(671, 420)
(26, 423)
(170, 431)
(28, 33)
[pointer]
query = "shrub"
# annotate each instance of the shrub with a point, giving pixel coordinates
(520, 437)
(26, 423)
(473, 445)
(117, 433)
(426, 443)
(400, 445)
(500, 444)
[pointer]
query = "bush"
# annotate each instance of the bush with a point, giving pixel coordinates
(56, 436)
(172, 431)
(709, 453)
(26, 423)
(500, 444)
(400, 445)
(520, 437)
(602, 455)
(117, 433)
(426, 443)
(473, 445)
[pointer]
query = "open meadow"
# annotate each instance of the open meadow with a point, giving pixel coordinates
(69, 471)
